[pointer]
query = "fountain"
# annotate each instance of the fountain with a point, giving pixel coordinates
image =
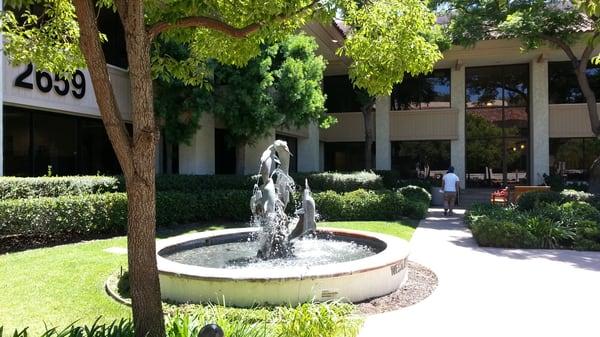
(281, 259)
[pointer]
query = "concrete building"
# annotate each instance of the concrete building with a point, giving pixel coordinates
(496, 114)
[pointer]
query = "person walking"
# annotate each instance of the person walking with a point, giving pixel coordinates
(450, 188)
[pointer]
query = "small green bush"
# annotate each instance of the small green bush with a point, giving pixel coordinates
(505, 234)
(531, 200)
(18, 188)
(416, 193)
(573, 212)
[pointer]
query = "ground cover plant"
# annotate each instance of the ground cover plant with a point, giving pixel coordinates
(541, 219)
(62, 284)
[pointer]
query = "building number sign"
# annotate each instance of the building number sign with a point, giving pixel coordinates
(46, 82)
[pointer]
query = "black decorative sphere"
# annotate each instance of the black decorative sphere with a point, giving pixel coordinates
(211, 330)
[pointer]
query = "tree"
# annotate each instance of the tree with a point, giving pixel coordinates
(62, 35)
(535, 23)
(281, 87)
(414, 50)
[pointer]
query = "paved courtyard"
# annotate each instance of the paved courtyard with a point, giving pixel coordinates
(495, 292)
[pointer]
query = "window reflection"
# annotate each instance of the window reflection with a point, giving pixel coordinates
(497, 124)
(69, 145)
(572, 157)
(563, 86)
(429, 91)
(421, 159)
(341, 95)
(345, 156)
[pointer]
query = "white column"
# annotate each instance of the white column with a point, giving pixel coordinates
(253, 153)
(383, 147)
(539, 137)
(321, 156)
(308, 150)
(1, 104)
(457, 146)
(199, 156)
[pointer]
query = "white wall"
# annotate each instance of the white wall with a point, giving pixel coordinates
(85, 106)
(457, 146)
(199, 156)
(539, 140)
(308, 150)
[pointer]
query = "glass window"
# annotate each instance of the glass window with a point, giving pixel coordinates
(224, 153)
(54, 144)
(345, 156)
(421, 159)
(292, 143)
(563, 86)
(341, 95)
(17, 141)
(497, 124)
(429, 91)
(96, 154)
(572, 157)
(35, 140)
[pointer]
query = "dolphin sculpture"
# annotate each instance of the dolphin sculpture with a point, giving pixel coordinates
(306, 221)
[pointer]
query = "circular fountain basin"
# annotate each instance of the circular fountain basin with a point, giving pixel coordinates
(358, 278)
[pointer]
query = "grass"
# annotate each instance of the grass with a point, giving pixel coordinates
(59, 285)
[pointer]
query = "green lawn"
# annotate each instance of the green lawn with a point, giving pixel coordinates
(63, 284)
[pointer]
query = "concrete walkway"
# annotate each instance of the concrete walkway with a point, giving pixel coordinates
(495, 292)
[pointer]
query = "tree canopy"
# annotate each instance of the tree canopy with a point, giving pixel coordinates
(388, 38)
(279, 88)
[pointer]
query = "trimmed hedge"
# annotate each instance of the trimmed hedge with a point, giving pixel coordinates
(84, 214)
(416, 193)
(107, 213)
(17, 188)
(531, 200)
(367, 205)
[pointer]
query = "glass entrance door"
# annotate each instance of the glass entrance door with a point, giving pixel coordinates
(497, 125)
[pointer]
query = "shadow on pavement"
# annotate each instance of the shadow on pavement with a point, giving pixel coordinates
(588, 260)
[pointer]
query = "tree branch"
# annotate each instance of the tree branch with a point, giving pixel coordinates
(218, 25)
(587, 52)
(105, 97)
(564, 46)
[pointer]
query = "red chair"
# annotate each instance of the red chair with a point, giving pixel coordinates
(500, 196)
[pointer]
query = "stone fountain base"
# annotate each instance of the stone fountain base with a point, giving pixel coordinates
(353, 281)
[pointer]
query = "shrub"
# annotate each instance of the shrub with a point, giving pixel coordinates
(416, 193)
(367, 205)
(340, 182)
(498, 233)
(587, 236)
(530, 200)
(17, 188)
(574, 195)
(84, 214)
(574, 212)
(548, 233)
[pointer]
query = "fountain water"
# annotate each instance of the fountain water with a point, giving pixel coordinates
(282, 259)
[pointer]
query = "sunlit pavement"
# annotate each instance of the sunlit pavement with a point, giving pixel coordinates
(495, 292)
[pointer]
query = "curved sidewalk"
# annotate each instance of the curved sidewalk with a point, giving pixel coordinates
(495, 292)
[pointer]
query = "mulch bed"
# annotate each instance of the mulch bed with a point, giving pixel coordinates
(420, 284)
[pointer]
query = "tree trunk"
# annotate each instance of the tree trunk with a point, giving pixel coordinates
(240, 159)
(590, 99)
(367, 111)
